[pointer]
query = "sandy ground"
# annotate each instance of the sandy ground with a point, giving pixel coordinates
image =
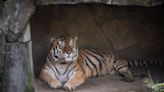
(110, 83)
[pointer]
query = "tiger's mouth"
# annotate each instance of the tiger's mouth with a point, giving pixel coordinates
(63, 63)
(69, 59)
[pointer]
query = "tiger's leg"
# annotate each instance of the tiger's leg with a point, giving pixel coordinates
(77, 78)
(48, 76)
(121, 67)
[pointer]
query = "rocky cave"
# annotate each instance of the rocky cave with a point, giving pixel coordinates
(132, 28)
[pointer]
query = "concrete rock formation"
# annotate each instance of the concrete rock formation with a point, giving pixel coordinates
(110, 2)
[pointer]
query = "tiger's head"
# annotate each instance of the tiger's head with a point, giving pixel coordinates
(64, 49)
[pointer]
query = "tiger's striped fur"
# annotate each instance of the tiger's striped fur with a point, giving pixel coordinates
(67, 66)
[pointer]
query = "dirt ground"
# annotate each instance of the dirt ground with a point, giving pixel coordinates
(111, 83)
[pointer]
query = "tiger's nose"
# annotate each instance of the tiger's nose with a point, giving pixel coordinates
(68, 52)
(68, 49)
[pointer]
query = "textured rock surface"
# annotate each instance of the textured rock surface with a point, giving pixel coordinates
(2, 50)
(2, 37)
(3, 28)
(18, 67)
(110, 2)
(137, 32)
(18, 74)
(3, 18)
(19, 13)
(2, 55)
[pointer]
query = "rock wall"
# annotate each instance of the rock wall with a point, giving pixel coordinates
(2, 50)
(2, 39)
(135, 32)
(15, 46)
(110, 2)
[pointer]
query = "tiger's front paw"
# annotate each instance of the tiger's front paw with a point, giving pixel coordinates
(69, 87)
(55, 84)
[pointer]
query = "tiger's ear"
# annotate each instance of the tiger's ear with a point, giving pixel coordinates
(53, 39)
(75, 38)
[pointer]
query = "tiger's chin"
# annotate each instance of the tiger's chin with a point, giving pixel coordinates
(70, 59)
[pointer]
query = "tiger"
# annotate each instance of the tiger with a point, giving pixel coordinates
(67, 66)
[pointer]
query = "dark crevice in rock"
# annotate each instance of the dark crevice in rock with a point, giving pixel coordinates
(11, 37)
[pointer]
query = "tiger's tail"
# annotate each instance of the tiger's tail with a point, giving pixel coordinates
(148, 64)
(145, 63)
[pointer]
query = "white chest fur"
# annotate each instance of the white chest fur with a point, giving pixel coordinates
(63, 71)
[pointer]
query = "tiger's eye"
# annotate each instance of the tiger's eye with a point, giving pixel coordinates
(61, 47)
(61, 44)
